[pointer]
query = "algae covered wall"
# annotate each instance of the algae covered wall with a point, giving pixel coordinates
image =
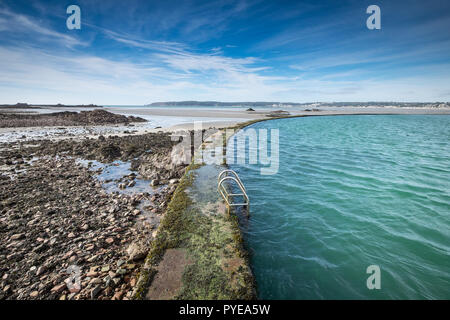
(198, 252)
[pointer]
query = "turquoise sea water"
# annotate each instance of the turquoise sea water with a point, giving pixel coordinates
(353, 191)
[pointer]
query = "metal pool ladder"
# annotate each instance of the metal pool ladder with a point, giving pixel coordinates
(224, 176)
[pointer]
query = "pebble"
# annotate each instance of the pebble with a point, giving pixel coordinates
(121, 271)
(118, 295)
(154, 183)
(92, 274)
(95, 281)
(95, 291)
(34, 294)
(105, 269)
(40, 270)
(59, 288)
(17, 236)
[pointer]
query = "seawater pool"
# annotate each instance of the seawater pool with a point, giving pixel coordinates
(353, 191)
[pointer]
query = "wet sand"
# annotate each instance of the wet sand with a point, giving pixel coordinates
(261, 113)
(234, 116)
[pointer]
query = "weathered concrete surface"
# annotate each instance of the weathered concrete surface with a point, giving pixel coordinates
(169, 277)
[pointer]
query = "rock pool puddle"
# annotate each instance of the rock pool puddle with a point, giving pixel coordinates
(117, 176)
(147, 216)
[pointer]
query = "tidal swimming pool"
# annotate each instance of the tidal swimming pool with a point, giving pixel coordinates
(351, 192)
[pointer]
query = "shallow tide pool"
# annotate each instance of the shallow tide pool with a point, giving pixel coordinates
(112, 174)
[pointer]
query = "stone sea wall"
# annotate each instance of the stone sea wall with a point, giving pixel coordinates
(198, 252)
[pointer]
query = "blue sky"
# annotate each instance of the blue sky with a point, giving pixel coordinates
(137, 52)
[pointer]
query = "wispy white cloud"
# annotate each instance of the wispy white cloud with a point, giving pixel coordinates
(34, 76)
(161, 46)
(18, 23)
(189, 62)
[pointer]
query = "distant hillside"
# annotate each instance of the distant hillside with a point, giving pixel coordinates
(293, 104)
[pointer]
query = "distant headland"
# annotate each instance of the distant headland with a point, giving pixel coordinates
(296, 104)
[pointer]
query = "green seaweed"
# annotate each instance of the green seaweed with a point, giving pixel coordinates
(145, 278)
(172, 230)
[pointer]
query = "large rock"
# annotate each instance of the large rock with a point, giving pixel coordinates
(136, 251)
(110, 151)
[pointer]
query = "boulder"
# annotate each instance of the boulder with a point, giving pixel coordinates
(136, 251)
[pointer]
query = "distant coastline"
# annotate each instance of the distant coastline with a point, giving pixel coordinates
(368, 104)
(305, 104)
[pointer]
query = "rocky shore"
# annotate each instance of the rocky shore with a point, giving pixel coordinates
(66, 118)
(21, 105)
(62, 234)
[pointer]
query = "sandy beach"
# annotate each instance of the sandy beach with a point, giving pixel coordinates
(228, 118)
(220, 113)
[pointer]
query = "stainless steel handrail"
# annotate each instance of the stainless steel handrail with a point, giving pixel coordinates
(234, 174)
(224, 193)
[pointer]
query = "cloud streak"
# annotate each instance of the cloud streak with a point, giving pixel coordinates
(18, 23)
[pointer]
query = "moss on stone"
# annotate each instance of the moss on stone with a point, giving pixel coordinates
(145, 278)
(172, 231)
